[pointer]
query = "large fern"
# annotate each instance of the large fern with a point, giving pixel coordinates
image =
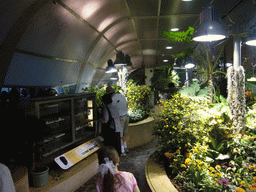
(195, 90)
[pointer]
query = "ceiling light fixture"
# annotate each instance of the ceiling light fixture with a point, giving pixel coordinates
(250, 41)
(175, 29)
(209, 29)
(165, 60)
(169, 47)
(120, 59)
(114, 76)
(189, 63)
(110, 68)
(128, 60)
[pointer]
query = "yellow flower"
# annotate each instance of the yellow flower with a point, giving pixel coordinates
(195, 150)
(215, 182)
(239, 189)
(188, 161)
(199, 167)
(218, 167)
(178, 151)
(175, 159)
(204, 149)
(183, 166)
(252, 167)
(242, 183)
(254, 179)
(211, 169)
(218, 174)
(168, 155)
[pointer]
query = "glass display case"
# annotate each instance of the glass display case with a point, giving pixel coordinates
(69, 119)
(84, 117)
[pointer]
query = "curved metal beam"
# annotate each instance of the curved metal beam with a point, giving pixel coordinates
(14, 36)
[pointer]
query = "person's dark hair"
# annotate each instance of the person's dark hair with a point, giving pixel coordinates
(109, 180)
(106, 99)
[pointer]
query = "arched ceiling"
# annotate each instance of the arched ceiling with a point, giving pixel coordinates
(62, 42)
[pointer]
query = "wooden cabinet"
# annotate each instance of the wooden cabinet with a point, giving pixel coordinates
(69, 119)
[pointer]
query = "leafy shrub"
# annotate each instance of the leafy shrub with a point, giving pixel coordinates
(138, 97)
(197, 139)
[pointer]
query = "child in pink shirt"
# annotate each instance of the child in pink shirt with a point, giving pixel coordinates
(110, 179)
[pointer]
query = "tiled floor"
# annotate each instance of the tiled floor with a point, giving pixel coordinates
(134, 162)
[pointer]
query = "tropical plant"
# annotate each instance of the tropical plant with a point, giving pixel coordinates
(208, 63)
(138, 76)
(179, 36)
(165, 80)
(195, 90)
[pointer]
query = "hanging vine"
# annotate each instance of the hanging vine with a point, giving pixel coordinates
(236, 97)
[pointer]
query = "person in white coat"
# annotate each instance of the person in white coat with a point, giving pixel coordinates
(120, 102)
(6, 181)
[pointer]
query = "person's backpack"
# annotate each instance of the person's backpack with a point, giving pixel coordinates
(111, 121)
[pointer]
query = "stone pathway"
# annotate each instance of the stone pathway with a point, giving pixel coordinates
(134, 162)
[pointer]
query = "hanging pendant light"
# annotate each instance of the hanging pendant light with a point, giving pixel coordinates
(189, 63)
(120, 59)
(114, 76)
(209, 29)
(128, 60)
(110, 68)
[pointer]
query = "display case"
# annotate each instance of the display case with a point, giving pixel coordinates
(69, 119)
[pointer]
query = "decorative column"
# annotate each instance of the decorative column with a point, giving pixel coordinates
(236, 89)
(123, 78)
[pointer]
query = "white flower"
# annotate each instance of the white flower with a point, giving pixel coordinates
(213, 122)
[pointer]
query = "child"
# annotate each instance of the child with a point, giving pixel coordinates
(110, 179)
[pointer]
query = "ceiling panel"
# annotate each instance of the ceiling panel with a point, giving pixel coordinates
(177, 7)
(99, 13)
(56, 32)
(100, 51)
(121, 32)
(130, 48)
(142, 7)
(87, 75)
(10, 11)
(147, 28)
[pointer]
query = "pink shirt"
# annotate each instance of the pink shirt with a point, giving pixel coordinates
(129, 181)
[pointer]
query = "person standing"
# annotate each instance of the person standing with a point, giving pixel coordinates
(120, 102)
(111, 126)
